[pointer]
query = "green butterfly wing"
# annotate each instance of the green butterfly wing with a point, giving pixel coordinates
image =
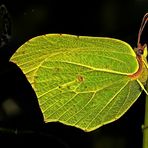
(80, 81)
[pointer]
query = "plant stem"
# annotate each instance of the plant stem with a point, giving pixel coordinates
(145, 129)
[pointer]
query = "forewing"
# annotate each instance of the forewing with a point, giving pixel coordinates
(80, 81)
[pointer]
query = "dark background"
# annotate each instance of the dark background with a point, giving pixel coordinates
(107, 18)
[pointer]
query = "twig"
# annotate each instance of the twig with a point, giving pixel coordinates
(145, 128)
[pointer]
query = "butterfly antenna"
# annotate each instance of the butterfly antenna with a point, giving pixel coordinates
(143, 23)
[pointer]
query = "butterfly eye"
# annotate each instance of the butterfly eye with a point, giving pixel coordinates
(5, 26)
(139, 52)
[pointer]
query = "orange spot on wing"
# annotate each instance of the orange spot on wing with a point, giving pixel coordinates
(80, 78)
